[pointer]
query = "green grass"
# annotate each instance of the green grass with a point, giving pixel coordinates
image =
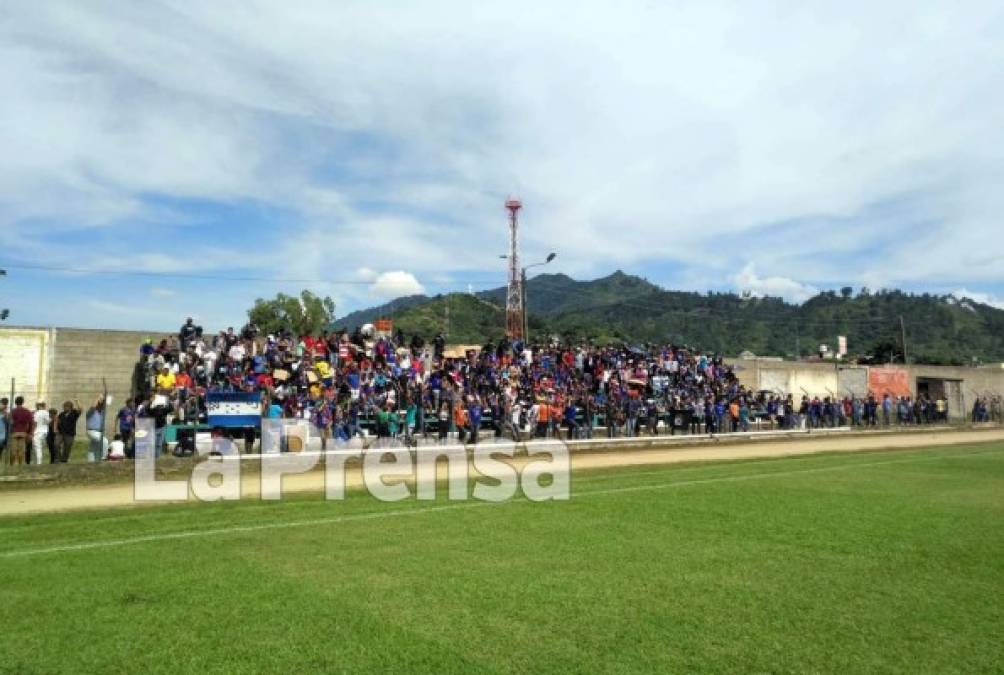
(877, 562)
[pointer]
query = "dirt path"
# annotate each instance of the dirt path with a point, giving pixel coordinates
(107, 496)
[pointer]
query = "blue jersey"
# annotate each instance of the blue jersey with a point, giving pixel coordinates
(126, 419)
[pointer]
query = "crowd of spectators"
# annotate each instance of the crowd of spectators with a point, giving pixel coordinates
(27, 436)
(346, 382)
(364, 383)
(349, 384)
(986, 408)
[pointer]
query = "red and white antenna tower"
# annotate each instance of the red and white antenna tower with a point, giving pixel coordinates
(514, 296)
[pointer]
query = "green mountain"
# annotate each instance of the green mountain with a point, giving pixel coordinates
(556, 293)
(625, 308)
(464, 318)
(365, 316)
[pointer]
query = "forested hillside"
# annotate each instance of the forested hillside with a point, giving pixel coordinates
(625, 308)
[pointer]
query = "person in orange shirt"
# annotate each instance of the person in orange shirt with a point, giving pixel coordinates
(460, 420)
(182, 381)
(734, 414)
(555, 418)
(543, 417)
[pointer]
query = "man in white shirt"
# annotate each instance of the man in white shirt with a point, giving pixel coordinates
(116, 449)
(237, 353)
(209, 358)
(42, 421)
(514, 421)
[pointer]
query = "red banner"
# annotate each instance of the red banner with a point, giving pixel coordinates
(889, 380)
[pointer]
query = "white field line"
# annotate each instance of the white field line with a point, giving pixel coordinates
(240, 529)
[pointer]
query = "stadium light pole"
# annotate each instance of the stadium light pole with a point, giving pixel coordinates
(526, 324)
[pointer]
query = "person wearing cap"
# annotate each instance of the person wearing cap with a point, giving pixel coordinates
(165, 379)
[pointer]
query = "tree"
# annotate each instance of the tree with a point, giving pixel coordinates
(885, 350)
(307, 315)
(846, 291)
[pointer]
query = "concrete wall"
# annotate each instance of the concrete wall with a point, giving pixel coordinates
(60, 364)
(24, 357)
(962, 385)
(853, 380)
(81, 358)
(812, 379)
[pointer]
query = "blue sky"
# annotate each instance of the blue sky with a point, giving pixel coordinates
(367, 148)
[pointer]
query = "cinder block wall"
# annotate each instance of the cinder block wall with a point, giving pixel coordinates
(76, 361)
(25, 354)
(82, 357)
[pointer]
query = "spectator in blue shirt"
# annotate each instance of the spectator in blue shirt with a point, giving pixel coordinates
(126, 420)
(95, 421)
(474, 416)
(570, 421)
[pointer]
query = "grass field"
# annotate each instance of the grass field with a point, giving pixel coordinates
(873, 562)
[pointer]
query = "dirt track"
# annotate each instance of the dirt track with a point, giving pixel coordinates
(107, 496)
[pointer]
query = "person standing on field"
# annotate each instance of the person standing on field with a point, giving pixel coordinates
(50, 438)
(126, 422)
(4, 425)
(66, 428)
(95, 419)
(22, 423)
(40, 430)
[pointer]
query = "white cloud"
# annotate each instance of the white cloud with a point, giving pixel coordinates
(984, 298)
(160, 292)
(395, 284)
(775, 286)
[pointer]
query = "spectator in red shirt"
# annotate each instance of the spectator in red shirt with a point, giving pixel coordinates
(22, 424)
(321, 348)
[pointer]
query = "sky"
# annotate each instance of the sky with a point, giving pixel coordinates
(167, 159)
